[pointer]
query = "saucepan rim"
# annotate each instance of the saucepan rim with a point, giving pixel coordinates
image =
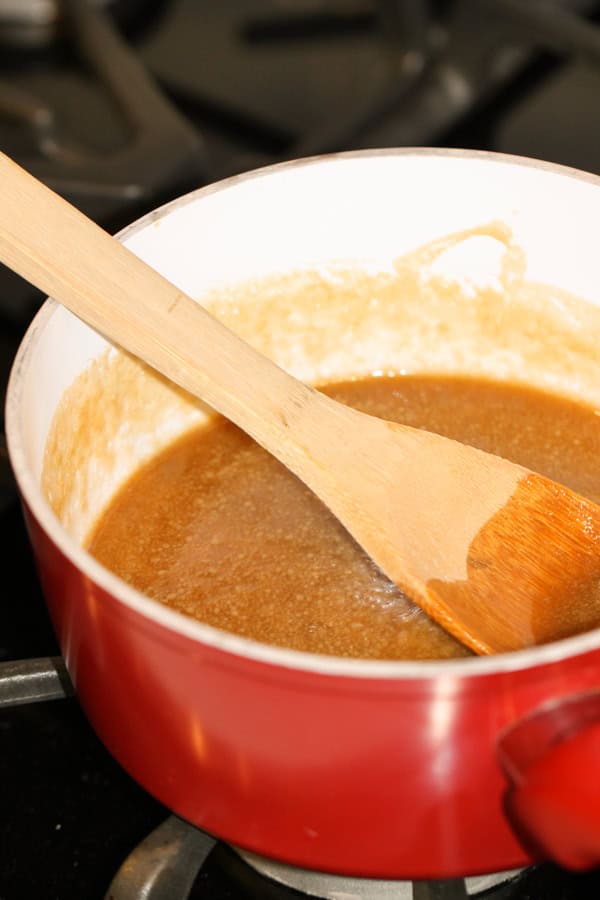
(205, 634)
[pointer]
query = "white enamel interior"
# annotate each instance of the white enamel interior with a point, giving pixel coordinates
(360, 208)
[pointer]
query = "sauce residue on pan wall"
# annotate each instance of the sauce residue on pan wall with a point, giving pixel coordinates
(420, 315)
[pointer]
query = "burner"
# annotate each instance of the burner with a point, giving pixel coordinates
(168, 863)
(333, 887)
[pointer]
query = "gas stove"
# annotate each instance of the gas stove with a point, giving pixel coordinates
(123, 104)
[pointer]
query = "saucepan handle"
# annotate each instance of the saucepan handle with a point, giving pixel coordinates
(551, 759)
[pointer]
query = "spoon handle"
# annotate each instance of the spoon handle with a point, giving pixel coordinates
(67, 256)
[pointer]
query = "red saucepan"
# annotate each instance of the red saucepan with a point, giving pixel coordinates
(382, 769)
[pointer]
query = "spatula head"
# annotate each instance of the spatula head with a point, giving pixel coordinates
(533, 573)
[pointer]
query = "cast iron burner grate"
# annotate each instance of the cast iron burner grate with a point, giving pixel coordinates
(152, 153)
(212, 89)
(419, 68)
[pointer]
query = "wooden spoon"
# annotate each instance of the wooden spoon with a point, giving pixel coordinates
(500, 556)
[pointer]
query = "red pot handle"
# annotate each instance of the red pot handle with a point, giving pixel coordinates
(551, 759)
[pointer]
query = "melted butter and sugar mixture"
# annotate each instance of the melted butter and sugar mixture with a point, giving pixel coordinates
(244, 546)
(190, 511)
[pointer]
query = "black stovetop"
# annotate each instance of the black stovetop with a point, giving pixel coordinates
(236, 85)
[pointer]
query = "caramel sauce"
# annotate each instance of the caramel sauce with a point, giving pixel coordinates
(216, 528)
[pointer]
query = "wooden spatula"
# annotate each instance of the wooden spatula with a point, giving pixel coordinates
(501, 557)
